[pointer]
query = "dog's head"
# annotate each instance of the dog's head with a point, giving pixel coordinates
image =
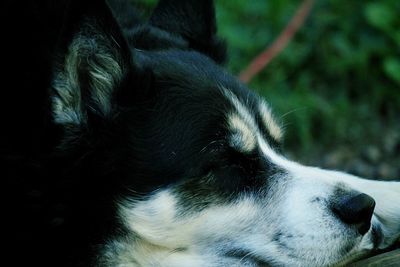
(192, 155)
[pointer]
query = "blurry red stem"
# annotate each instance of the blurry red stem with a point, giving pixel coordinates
(259, 62)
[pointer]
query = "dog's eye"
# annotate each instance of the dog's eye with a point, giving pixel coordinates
(237, 174)
(230, 178)
(231, 170)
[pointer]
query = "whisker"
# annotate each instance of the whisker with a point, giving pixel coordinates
(292, 111)
(209, 144)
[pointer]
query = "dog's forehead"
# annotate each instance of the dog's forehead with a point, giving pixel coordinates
(209, 86)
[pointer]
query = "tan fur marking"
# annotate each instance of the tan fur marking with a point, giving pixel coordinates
(243, 137)
(273, 128)
(242, 124)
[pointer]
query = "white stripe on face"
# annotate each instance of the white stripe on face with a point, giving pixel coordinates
(272, 126)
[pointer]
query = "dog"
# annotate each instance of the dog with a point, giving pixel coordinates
(156, 156)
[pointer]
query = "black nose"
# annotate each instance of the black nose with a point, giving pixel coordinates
(356, 210)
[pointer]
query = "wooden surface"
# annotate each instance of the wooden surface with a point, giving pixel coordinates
(388, 259)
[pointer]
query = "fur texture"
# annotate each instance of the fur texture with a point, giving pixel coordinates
(151, 154)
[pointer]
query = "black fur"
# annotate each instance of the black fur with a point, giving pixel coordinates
(63, 180)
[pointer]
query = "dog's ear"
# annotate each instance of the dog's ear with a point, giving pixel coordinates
(194, 20)
(92, 62)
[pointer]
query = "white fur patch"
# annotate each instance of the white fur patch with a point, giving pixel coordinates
(164, 237)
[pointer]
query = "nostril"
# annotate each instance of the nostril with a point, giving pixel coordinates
(356, 210)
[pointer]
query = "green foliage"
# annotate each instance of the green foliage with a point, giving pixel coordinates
(337, 82)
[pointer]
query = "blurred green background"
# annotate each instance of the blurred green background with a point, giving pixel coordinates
(335, 87)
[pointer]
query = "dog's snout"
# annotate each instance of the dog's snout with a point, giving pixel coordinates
(355, 210)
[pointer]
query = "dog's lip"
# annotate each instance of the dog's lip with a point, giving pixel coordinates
(376, 235)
